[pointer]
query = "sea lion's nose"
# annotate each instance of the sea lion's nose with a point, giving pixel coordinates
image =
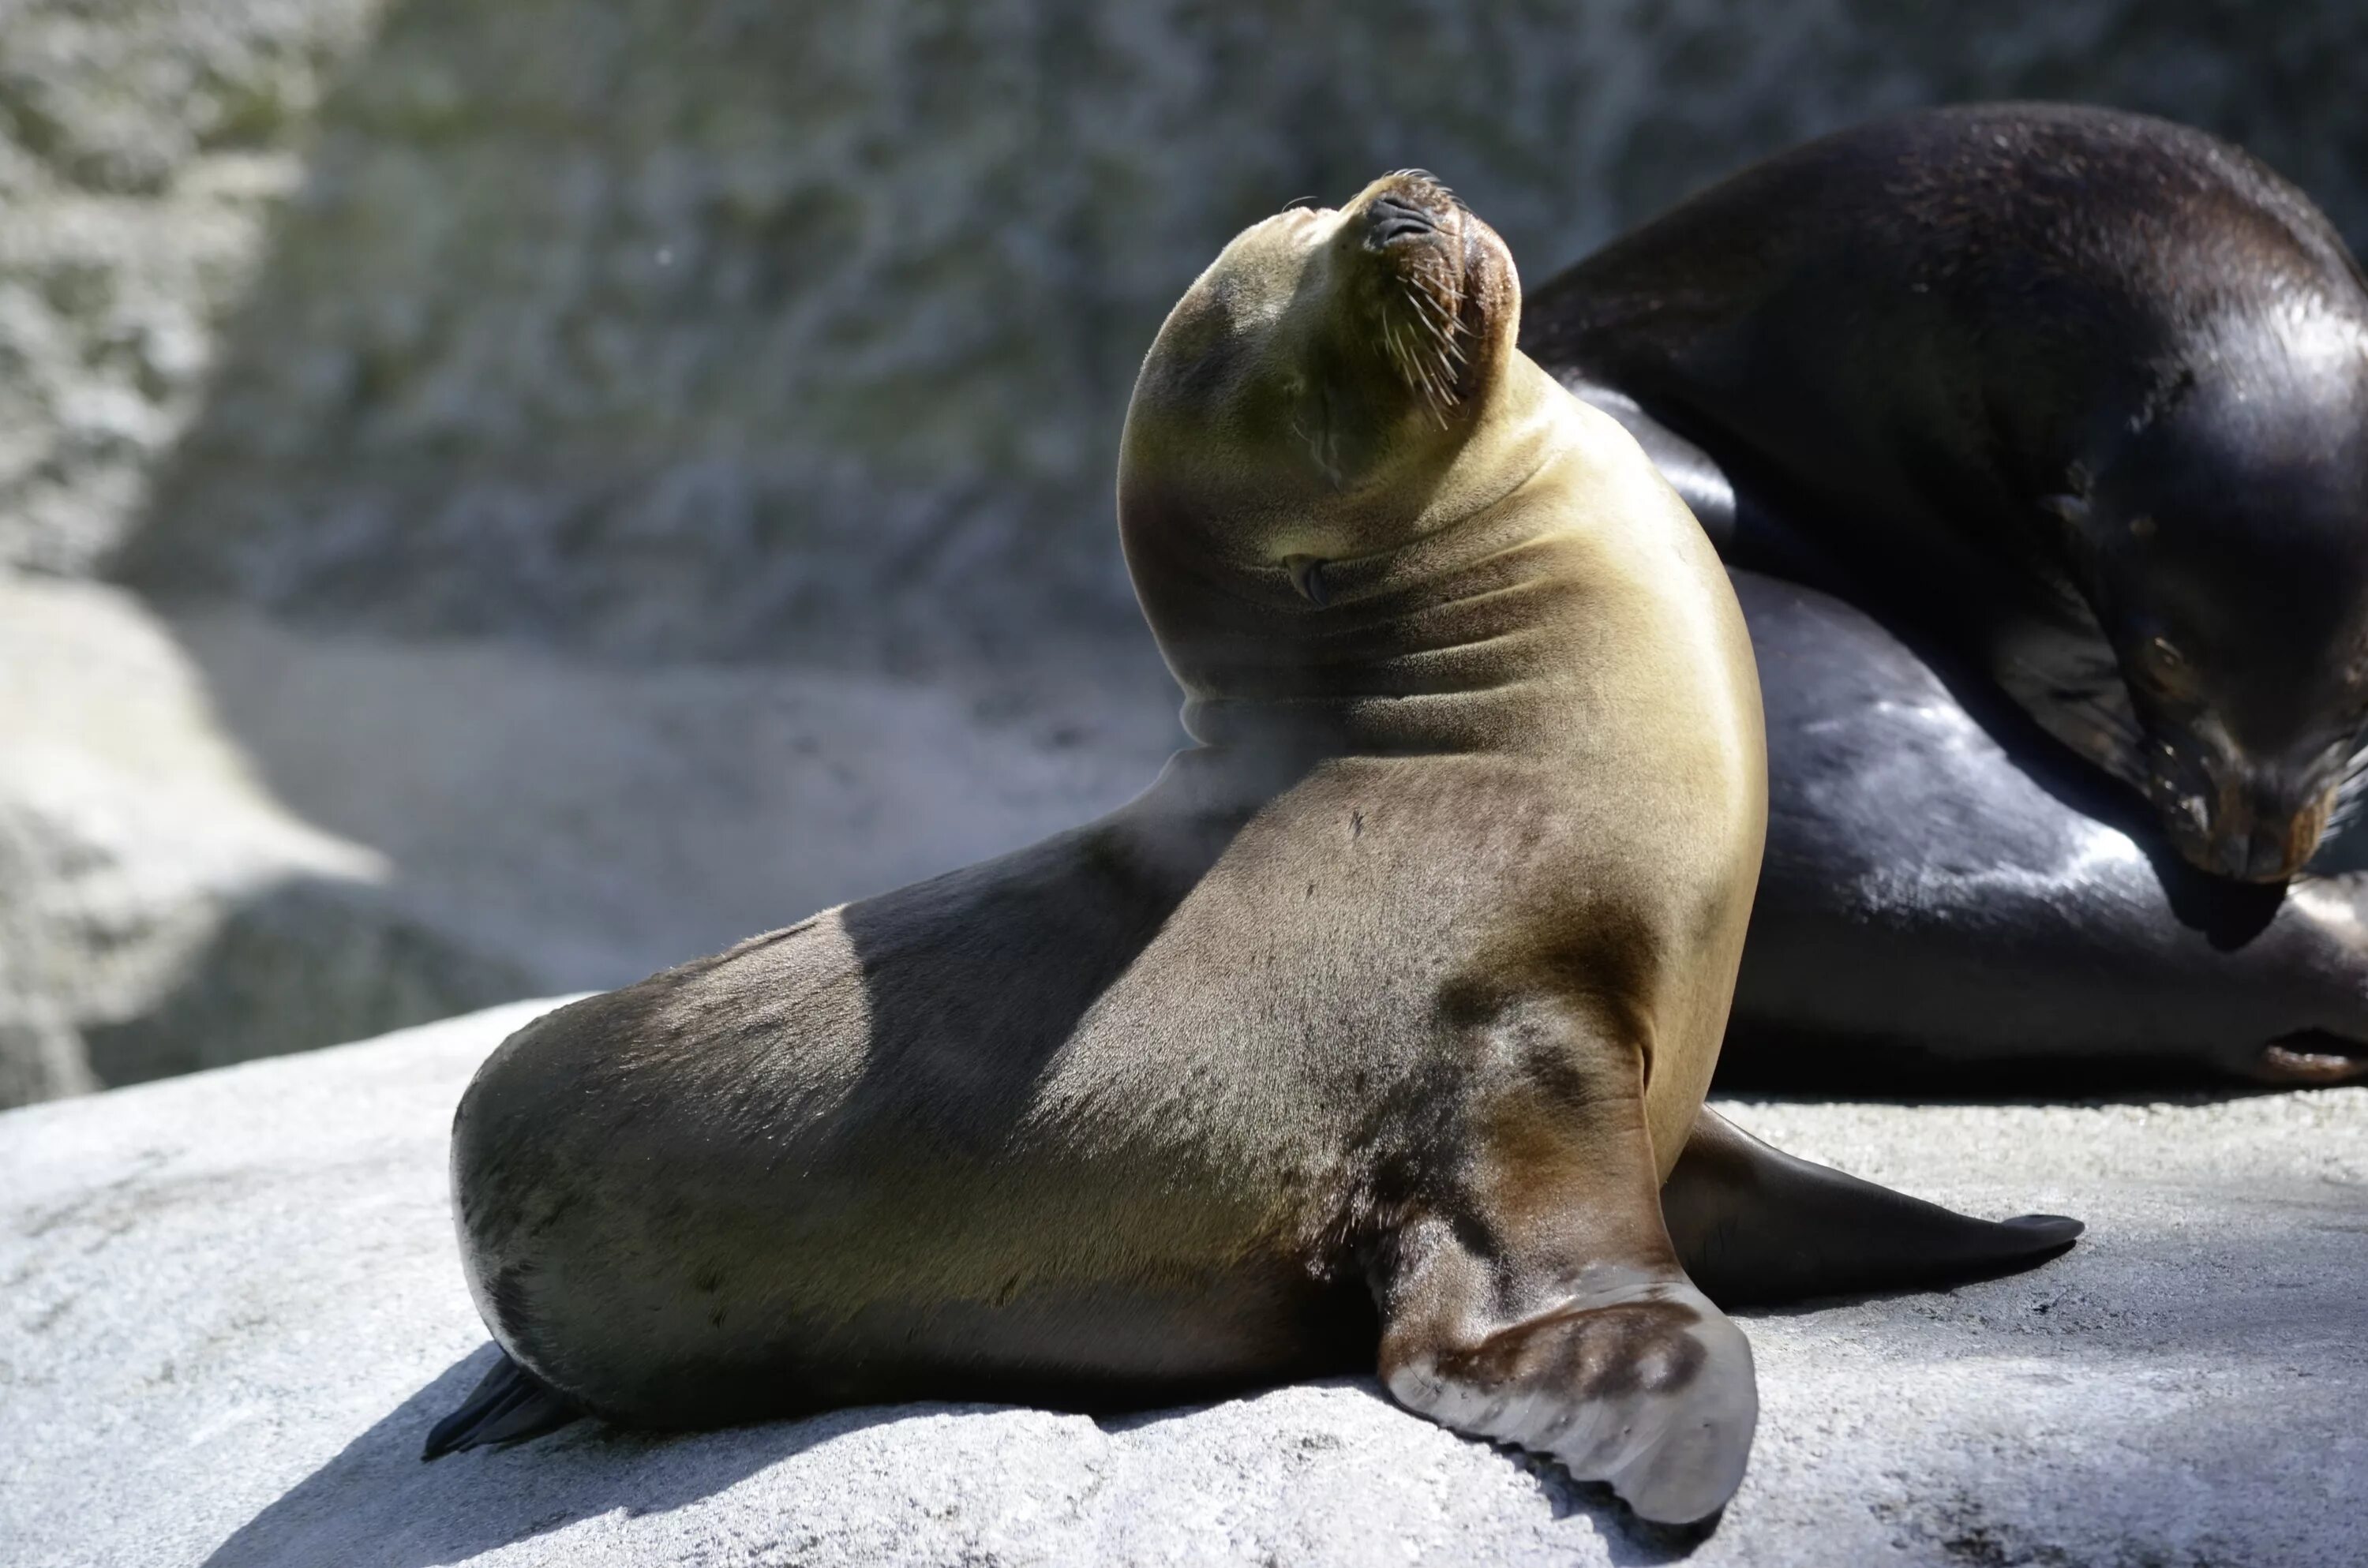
(2268, 832)
(1394, 217)
(2273, 858)
(2264, 854)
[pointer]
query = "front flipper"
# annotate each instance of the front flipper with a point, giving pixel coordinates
(1630, 1378)
(1756, 1226)
(510, 1404)
(1528, 1294)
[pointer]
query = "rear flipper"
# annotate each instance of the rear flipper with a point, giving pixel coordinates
(509, 1405)
(1754, 1227)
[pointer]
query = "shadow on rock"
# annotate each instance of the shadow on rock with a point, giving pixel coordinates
(301, 962)
(376, 1505)
(1628, 1542)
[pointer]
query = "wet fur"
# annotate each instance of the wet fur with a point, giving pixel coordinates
(1949, 901)
(2040, 379)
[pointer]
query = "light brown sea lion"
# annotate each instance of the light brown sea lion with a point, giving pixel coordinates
(1374, 1026)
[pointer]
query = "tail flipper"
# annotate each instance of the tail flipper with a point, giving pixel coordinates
(1754, 1227)
(509, 1405)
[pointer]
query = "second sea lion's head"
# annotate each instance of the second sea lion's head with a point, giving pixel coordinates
(2220, 537)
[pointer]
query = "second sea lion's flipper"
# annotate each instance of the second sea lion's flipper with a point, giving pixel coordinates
(1755, 1226)
(510, 1404)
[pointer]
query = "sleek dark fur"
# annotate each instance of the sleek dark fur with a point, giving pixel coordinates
(1947, 898)
(2068, 386)
(2078, 401)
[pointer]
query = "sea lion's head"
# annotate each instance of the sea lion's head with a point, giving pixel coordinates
(1311, 399)
(2222, 541)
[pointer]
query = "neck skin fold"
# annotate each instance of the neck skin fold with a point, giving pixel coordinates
(1442, 642)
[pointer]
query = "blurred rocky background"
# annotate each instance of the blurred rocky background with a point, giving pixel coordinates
(498, 498)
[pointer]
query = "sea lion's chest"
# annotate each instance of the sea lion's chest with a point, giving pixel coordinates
(1321, 940)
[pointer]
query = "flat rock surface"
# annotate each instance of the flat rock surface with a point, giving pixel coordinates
(232, 1309)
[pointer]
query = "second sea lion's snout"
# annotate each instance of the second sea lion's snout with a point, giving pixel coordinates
(2235, 818)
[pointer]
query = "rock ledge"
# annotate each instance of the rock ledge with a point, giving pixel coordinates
(234, 1309)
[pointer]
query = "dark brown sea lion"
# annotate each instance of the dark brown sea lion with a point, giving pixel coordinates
(1369, 1032)
(2084, 395)
(1949, 901)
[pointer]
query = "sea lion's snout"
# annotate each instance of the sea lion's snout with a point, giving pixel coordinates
(1412, 204)
(1414, 224)
(1394, 217)
(2249, 824)
(1428, 286)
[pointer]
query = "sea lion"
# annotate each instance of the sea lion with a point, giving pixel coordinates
(2084, 393)
(1948, 897)
(1369, 1033)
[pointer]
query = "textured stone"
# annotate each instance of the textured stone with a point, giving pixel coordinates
(600, 822)
(159, 910)
(222, 838)
(737, 328)
(143, 145)
(234, 1308)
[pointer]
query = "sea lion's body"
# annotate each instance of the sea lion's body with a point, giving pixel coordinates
(2074, 402)
(1948, 898)
(1370, 1033)
(2083, 394)
(1121, 1116)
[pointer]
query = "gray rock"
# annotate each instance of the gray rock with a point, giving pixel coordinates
(682, 323)
(733, 328)
(221, 838)
(159, 910)
(598, 822)
(234, 1308)
(144, 146)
